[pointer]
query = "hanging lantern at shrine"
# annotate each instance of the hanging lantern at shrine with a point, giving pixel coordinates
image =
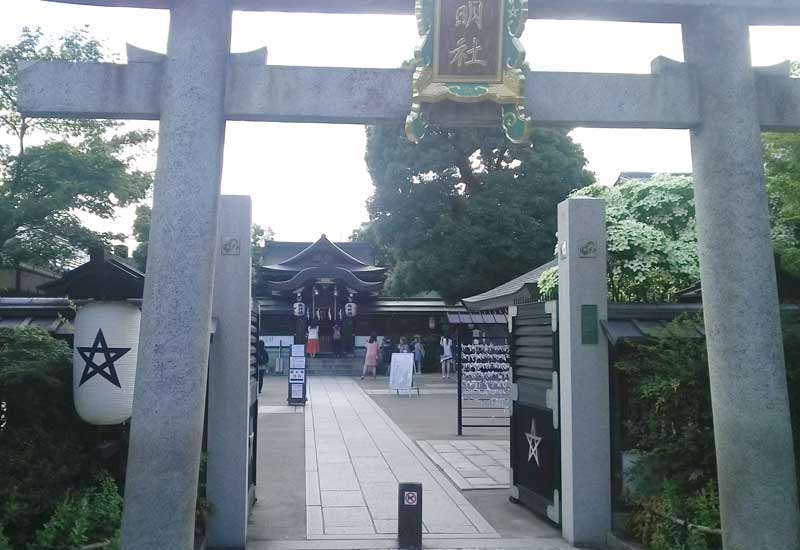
(299, 309)
(104, 361)
(351, 309)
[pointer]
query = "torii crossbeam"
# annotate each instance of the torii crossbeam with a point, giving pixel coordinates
(198, 86)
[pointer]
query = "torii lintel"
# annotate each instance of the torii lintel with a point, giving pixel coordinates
(667, 98)
(759, 12)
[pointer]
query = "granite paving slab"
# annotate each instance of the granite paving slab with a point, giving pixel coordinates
(471, 464)
(422, 391)
(342, 499)
(355, 458)
(279, 409)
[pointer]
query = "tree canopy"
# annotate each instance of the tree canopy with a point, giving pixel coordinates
(652, 247)
(76, 167)
(141, 232)
(782, 167)
(465, 210)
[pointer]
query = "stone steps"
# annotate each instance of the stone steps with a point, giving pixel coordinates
(332, 366)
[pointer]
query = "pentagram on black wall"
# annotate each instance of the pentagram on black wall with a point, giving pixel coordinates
(110, 354)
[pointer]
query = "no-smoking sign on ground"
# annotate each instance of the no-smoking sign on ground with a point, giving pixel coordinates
(410, 498)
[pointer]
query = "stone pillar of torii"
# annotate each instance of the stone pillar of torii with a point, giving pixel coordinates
(199, 85)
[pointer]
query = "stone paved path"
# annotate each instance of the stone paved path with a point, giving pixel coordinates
(422, 391)
(355, 457)
(472, 464)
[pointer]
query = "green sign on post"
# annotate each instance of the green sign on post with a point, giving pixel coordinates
(590, 329)
(470, 53)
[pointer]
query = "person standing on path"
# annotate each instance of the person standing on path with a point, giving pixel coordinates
(404, 347)
(371, 359)
(312, 346)
(446, 345)
(337, 340)
(419, 355)
(386, 350)
(262, 362)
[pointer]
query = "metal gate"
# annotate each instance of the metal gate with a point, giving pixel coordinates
(252, 436)
(535, 436)
(484, 383)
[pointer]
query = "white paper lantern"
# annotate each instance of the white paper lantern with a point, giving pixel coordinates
(299, 309)
(104, 361)
(351, 309)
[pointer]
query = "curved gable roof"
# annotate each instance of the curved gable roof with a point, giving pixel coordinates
(509, 293)
(322, 252)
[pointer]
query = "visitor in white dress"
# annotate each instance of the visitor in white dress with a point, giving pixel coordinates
(446, 345)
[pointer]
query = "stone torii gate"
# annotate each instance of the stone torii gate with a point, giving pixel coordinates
(198, 86)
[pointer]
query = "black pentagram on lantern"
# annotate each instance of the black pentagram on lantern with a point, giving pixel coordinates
(100, 347)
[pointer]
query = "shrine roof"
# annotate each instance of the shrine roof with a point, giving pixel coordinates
(295, 256)
(314, 273)
(519, 290)
(286, 267)
(104, 277)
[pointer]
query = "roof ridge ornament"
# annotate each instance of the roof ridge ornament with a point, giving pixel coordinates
(470, 53)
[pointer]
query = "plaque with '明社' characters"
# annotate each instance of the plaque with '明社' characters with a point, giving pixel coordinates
(470, 53)
(467, 42)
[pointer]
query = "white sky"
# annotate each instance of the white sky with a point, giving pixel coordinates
(308, 179)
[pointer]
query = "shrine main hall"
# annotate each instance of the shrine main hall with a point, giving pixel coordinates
(330, 283)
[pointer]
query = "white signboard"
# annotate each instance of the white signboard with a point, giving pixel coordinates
(298, 350)
(277, 341)
(297, 362)
(297, 375)
(297, 391)
(401, 371)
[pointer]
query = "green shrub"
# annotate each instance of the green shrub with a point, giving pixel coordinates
(4, 543)
(791, 350)
(670, 420)
(35, 376)
(654, 520)
(44, 446)
(89, 516)
(670, 424)
(35, 472)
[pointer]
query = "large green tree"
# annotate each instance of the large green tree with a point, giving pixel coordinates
(466, 209)
(75, 167)
(141, 232)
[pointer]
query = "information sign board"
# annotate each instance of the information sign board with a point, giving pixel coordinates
(297, 376)
(401, 371)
